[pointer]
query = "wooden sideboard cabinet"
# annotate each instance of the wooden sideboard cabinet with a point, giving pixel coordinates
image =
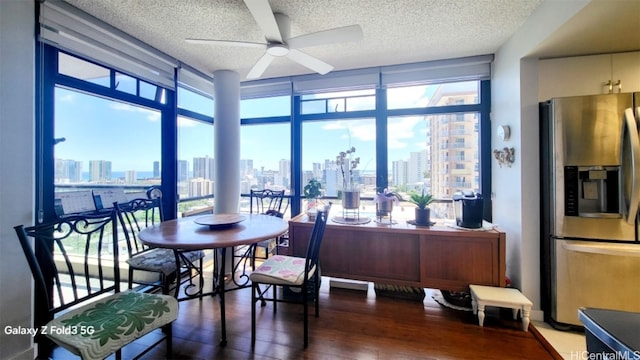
(439, 257)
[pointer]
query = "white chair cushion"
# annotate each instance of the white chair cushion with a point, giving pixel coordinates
(160, 260)
(100, 328)
(281, 270)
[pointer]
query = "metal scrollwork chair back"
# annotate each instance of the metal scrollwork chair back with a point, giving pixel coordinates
(74, 261)
(136, 215)
(267, 202)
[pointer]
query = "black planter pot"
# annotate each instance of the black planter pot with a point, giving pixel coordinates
(423, 217)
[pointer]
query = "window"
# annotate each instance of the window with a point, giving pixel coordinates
(431, 132)
(83, 70)
(447, 94)
(265, 107)
(195, 163)
(343, 101)
(265, 160)
(322, 143)
(438, 152)
(192, 101)
(126, 83)
(111, 143)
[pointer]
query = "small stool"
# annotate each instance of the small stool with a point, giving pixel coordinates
(482, 296)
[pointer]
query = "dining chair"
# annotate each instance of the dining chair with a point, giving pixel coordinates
(266, 202)
(78, 304)
(300, 273)
(136, 215)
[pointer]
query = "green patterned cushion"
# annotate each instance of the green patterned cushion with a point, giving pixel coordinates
(281, 269)
(100, 328)
(160, 260)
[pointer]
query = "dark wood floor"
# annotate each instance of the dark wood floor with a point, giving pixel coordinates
(352, 325)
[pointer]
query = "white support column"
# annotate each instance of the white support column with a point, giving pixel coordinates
(226, 141)
(226, 147)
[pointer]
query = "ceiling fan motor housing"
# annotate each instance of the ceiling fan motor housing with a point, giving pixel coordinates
(277, 49)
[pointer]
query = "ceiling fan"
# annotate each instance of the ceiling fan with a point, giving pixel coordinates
(276, 27)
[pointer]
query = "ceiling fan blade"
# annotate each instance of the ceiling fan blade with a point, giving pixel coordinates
(226, 43)
(259, 68)
(341, 34)
(309, 61)
(262, 13)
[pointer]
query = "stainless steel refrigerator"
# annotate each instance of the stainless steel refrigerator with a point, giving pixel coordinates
(590, 186)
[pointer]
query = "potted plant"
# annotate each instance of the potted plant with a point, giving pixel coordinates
(347, 164)
(423, 213)
(384, 202)
(312, 191)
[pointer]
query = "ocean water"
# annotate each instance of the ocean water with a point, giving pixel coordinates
(122, 174)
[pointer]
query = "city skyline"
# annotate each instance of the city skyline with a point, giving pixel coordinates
(139, 128)
(418, 146)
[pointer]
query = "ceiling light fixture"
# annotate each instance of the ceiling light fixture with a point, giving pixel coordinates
(277, 49)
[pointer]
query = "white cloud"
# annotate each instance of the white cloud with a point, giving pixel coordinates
(401, 129)
(363, 132)
(334, 125)
(68, 98)
(407, 97)
(184, 122)
(152, 115)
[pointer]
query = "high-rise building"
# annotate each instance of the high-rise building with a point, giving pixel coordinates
(317, 170)
(183, 170)
(308, 175)
(99, 170)
(204, 167)
(200, 187)
(156, 169)
(455, 144)
(67, 171)
(418, 168)
(246, 167)
(331, 181)
(284, 173)
(130, 177)
(399, 172)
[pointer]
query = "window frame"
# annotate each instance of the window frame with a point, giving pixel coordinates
(47, 78)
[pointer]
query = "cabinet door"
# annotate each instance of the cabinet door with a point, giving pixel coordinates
(574, 76)
(626, 68)
(453, 264)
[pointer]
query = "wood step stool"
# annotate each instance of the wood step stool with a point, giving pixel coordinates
(482, 296)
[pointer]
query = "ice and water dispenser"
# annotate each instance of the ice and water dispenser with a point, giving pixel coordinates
(592, 191)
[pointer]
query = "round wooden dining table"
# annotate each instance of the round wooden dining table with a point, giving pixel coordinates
(217, 232)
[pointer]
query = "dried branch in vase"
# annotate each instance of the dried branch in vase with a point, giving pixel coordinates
(346, 160)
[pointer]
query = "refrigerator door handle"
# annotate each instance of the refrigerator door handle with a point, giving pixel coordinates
(631, 128)
(595, 247)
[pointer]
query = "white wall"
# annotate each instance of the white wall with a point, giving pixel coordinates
(514, 102)
(17, 81)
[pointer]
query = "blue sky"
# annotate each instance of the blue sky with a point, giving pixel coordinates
(98, 129)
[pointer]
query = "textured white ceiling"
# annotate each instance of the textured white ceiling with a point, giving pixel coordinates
(395, 31)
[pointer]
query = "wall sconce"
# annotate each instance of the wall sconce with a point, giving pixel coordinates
(506, 156)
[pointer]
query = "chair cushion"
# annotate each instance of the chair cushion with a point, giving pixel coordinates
(160, 260)
(100, 328)
(193, 255)
(281, 270)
